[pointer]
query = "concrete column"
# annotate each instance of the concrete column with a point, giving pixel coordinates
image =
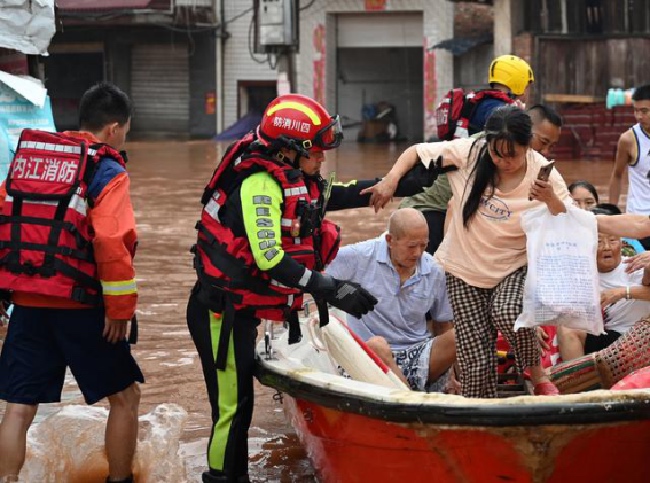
(508, 22)
(284, 73)
(502, 27)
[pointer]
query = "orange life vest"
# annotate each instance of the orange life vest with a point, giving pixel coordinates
(45, 237)
(224, 262)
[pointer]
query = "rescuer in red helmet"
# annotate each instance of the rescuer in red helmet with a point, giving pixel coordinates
(262, 243)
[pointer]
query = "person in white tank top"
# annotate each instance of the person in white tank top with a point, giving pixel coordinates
(633, 153)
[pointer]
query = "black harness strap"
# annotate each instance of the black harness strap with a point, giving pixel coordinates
(240, 278)
(227, 322)
(49, 250)
(133, 334)
(55, 231)
(82, 243)
(73, 273)
(294, 328)
(323, 309)
(323, 312)
(16, 209)
(81, 295)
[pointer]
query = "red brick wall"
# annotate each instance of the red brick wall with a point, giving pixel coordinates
(472, 20)
(591, 131)
(522, 46)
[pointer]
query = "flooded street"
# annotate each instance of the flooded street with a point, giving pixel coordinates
(167, 182)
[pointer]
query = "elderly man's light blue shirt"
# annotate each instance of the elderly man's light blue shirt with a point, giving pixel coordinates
(401, 312)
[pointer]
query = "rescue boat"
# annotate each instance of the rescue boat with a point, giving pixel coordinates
(358, 431)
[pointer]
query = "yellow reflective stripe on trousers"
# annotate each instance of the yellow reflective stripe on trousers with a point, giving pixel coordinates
(123, 287)
(227, 389)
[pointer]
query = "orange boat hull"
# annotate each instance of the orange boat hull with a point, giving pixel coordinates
(353, 448)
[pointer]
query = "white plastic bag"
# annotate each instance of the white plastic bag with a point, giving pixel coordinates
(562, 282)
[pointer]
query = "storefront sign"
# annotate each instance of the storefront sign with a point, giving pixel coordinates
(374, 5)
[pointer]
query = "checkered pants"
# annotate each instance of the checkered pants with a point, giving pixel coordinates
(478, 314)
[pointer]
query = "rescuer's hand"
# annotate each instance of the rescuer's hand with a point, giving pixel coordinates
(114, 330)
(382, 192)
(350, 297)
(417, 179)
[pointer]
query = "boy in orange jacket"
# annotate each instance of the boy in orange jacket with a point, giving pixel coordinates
(47, 333)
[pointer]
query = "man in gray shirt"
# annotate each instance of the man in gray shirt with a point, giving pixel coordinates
(410, 288)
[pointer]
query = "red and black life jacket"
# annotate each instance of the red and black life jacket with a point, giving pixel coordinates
(457, 108)
(224, 262)
(45, 237)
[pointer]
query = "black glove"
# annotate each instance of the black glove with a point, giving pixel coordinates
(350, 297)
(418, 177)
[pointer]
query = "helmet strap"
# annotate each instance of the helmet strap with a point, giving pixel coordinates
(285, 159)
(296, 160)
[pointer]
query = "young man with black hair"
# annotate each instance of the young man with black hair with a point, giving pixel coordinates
(633, 153)
(74, 296)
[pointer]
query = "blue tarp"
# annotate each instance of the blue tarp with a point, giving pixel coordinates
(238, 129)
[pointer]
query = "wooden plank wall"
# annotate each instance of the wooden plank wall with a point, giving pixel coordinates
(590, 66)
(587, 16)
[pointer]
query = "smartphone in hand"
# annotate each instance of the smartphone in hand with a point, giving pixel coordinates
(544, 173)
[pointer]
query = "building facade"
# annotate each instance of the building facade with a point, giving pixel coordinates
(353, 55)
(161, 52)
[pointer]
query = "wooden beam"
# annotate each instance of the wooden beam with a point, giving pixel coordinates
(584, 99)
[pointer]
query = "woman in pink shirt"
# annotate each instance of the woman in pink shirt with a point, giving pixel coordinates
(484, 250)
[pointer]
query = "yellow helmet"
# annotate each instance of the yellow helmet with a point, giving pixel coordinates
(512, 72)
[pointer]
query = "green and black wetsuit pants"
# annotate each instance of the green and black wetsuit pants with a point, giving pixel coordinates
(230, 390)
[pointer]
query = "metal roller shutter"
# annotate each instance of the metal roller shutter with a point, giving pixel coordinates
(160, 88)
(379, 30)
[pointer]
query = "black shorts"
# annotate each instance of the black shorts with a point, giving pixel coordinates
(595, 343)
(41, 342)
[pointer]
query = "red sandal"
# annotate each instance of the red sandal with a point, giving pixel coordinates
(545, 389)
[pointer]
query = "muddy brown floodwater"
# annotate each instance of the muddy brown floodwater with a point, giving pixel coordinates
(167, 182)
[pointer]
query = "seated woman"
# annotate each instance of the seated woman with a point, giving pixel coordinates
(625, 298)
(585, 196)
(629, 246)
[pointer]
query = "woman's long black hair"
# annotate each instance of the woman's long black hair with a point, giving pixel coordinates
(508, 124)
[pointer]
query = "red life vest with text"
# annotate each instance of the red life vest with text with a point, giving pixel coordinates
(45, 237)
(224, 262)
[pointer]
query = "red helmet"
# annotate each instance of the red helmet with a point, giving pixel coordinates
(297, 122)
